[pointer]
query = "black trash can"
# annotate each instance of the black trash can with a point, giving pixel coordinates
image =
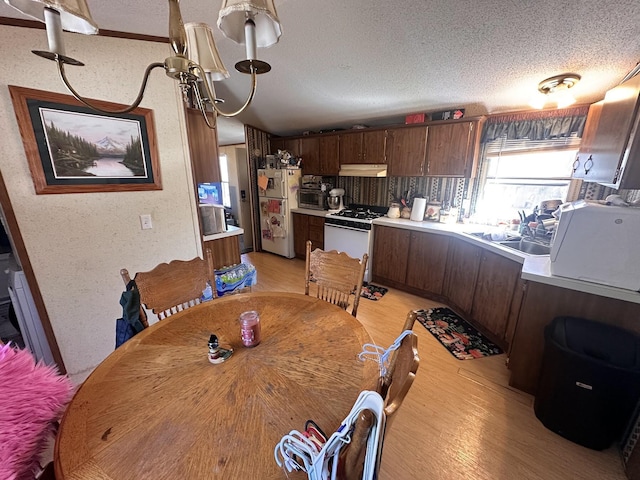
(589, 381)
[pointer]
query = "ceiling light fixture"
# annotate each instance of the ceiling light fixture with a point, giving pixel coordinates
(556, 88)
(195, 63)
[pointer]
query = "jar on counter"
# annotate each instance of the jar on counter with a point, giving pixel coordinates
(406, 212)
(250, 329)
(394, 211)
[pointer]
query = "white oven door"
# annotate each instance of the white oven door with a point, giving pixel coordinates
(353, 242)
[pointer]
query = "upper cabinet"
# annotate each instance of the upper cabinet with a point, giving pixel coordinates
(363, 147)
(310, 153)
(452, 149)
(406, 150)
(438, 149)
(329, 155)
(611, 156)
(291, 145)
(583, 158)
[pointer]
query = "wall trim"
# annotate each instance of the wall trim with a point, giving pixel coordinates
(19, 22)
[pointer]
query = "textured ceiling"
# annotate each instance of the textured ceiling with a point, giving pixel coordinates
(340, 63)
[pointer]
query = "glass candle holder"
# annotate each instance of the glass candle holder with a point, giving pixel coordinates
(250, 329)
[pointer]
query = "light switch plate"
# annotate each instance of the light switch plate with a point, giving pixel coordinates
(145, 222)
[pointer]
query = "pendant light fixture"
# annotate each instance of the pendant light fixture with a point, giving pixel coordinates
(195, 62)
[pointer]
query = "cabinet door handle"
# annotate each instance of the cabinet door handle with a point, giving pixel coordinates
(588, 165)
(576, 164)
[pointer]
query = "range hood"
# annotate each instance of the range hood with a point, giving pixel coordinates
(362, 170)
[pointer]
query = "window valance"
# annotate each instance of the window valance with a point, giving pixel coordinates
(539, 125)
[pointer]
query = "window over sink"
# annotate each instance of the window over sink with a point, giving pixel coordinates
(516, 175)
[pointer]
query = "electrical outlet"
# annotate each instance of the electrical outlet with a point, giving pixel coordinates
(145, 222)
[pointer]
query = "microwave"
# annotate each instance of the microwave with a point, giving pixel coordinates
(597, 243)
(312, 198)
(213, 219)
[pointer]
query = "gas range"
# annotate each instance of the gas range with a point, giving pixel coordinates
(355, 216)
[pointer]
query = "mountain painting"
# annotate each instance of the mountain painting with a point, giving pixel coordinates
(92, 145)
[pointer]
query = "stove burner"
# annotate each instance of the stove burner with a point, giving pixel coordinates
(358, 213)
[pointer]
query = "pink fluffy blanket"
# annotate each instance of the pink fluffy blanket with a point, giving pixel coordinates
(32, 396)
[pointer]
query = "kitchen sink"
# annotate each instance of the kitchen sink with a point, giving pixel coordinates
(527, 246)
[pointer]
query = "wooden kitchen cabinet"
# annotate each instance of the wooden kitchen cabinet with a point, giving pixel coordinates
(496, 285)
(225, 251)
(461, 275)
(614, 158)
(203, 147)
(310, 153)
(329, 152)
(363, 147)
(541, 304)
(452, 149)
(427, 261)
(390, 254)
(406, 151)
(307, 227)
(291, 145)
(583, 157)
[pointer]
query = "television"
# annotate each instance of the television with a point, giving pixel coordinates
(210, 193)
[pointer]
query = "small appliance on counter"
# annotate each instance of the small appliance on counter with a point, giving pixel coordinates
(313, 192)
(213, 218)
(335, 200)
(597, 243)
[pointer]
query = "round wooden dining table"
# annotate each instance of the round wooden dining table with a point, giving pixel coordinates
(156, 408)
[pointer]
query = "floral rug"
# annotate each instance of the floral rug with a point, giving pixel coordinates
(462, 340)
(372, 292)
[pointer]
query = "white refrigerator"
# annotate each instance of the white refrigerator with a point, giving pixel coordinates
(278, 195)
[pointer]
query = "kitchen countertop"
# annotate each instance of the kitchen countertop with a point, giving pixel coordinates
(535, 268)
(232, 230)
(309, 211)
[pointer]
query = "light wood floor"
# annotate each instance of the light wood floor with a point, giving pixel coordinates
(460, 419)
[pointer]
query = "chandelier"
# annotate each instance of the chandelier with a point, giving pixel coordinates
(195, 62)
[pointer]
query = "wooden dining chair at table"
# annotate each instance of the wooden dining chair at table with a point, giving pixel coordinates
(398, 378)
(336, 276)
(175, 286)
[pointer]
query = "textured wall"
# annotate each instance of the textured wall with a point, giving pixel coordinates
(77, 243)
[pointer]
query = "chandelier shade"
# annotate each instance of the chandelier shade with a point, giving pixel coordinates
(235, 13)
(201, 48)
(74, 14)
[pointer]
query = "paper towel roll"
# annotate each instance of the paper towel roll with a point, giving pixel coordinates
(419, 206)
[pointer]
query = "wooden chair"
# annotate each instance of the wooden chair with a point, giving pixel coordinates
(351, 459)
(336, 276)
(399, 377)
(175, 286)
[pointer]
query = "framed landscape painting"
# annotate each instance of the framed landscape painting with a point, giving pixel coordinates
(72, 148)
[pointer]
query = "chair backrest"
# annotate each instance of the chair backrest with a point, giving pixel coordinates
(336, 276)
(352, 455)
(174, 286)
(400, 375)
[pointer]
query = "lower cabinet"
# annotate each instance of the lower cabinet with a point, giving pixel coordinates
(405, 258)
(497, 287)
(462, 273)
(307, 227)
(225, 251)
(482, 286)
(427, 261)
(390, 254)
